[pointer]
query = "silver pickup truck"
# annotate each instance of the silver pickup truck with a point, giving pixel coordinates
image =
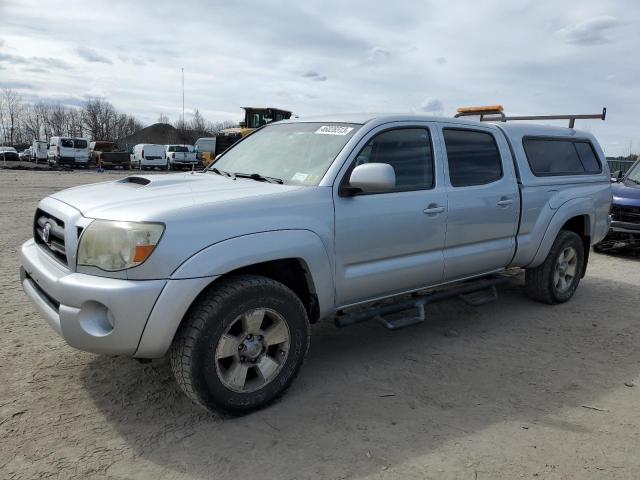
(306, 220)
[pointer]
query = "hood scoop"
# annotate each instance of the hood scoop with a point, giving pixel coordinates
(135, 180)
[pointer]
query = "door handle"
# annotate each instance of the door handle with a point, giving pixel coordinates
(433, 209)
(505, 202)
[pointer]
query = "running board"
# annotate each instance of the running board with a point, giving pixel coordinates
(480, 297)
(398, 323)
(463, 290)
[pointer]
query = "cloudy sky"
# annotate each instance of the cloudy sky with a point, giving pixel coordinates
(313, 57)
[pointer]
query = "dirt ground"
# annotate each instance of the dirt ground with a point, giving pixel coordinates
(512, 389)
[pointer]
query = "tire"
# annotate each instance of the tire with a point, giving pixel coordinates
(544, 283)
(207, 353)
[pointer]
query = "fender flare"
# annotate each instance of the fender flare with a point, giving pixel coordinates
(242, 251)
(203, 269)
(577, 207)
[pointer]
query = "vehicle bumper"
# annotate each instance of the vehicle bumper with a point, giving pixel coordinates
(153, 163)
(115, 163)
(625, 227)
(72, 161)
(95, 314)
(183, 164)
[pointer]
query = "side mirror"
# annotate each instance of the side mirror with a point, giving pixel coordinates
(616, 176)
(370, 178)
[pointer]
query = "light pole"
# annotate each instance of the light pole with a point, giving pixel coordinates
(183, 122)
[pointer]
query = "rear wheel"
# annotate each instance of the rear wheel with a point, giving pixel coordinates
(241, 345)
(557, 278)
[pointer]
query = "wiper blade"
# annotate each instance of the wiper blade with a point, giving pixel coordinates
(259, 178)
(223, 173)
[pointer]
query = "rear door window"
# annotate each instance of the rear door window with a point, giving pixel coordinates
(547, 156)
(473, 157)
(66, 142)
(79, 143)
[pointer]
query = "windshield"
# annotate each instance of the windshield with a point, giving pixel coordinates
(296, 153)
(634, 173)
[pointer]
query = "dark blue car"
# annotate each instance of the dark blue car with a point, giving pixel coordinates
(625, 211)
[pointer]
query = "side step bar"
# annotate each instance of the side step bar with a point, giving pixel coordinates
(484, 290)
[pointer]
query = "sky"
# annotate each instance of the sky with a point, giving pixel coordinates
(332, 56)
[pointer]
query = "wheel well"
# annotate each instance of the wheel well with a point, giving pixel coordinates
(291, 272)
(580, 225)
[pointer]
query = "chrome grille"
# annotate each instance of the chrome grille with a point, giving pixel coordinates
(48, 232)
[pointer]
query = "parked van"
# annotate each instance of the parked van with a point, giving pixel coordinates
(69, 151)
(148, 155)
(39, 151)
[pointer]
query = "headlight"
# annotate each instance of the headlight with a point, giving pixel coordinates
(114, 246)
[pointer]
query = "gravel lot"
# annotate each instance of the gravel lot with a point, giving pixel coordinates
(512, 389)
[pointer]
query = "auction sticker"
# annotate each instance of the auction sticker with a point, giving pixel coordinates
(333, 130)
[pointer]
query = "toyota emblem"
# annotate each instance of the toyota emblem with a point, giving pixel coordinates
(46, 230)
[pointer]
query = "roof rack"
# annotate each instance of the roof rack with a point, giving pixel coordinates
(495, 113)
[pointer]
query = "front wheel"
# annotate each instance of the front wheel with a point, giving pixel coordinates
(241, 345)
(557, 278)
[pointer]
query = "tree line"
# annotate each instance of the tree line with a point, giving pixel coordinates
(96, 118)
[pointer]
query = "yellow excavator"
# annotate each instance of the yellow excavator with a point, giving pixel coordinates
(254, 117)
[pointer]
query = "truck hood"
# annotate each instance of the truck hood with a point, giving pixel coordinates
(626, 193)
(146, 197)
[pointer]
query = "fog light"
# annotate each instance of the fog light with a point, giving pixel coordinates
(96, 319)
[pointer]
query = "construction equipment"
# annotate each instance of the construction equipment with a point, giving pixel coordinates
(254, 117)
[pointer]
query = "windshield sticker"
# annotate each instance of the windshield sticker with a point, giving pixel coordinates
(299, 177)
(333, 130)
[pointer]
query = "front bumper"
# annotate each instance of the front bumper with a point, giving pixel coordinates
(95, 314)
(625, 227)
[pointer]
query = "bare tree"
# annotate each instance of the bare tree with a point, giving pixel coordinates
(12, 108)
(163, 119)
(57, 120)
(33, 120)
(98, 118)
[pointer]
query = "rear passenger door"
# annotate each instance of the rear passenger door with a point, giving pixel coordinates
(482, 200)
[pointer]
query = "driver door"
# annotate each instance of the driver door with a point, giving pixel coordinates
(392, 242)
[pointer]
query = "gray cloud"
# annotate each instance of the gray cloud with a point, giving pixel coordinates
(589, 32)
(378, 54)
(92, 56)
(315, 76)
(432, 105)
(35, 62)
(134, 60)
(14, 59)
(16, 85)
(441, 61)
